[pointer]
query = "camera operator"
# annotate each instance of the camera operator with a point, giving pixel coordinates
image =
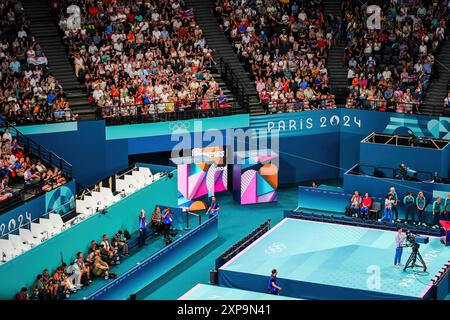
(399, 244)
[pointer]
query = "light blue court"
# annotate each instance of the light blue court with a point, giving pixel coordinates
(330, 261)
(208, 292)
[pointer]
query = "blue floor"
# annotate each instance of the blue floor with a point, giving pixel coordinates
(333, 255)
(235, 222)
(208, 292)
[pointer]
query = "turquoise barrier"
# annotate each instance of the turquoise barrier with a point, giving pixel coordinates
(124, 214)
(155, 266)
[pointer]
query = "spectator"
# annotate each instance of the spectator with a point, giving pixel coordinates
(140, 59)
(284, 51)
(355, 204)
(365, 206)
(27, 87)
(391, 67)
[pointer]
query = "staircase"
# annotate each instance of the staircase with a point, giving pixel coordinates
(215, 38)
(336, 69)
(43, 27)
(434, 100)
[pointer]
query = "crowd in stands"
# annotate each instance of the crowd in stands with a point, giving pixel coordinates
(141, 57)
(29, 93)
(68, 279)
(414, 208)
(284, 46)
(390, 68)
(19, 169)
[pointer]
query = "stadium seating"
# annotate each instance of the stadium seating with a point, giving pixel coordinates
(390, 68)
(39, 98)
(128, 70)
(284, 48)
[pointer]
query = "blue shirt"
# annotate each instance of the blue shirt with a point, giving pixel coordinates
(270, 286)
(141, 223)
(14, 66)
(168, 219)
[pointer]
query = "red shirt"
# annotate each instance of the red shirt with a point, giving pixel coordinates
(367, 202)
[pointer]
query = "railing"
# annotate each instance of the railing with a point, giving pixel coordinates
(235, 84)
(41, 152)
(242, 244)
(377, 104)
(296, 106)
(390, 173)
(119, 115)
(56, 116)
(27, 223)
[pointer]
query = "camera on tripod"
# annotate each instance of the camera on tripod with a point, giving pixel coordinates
(415, 260)
(414, 239)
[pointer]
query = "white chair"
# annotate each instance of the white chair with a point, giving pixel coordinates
(8, 251)
(139, 176)
(147, 173)
(57, 221)
(91, 205)
(100, 200)
(18, 243)
(121, 186)
(107, 193)
(38, 232)
(27, 237)
(48, 227)
(131, 183)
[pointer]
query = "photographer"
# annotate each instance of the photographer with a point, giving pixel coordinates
(121, 243)
(399, 244)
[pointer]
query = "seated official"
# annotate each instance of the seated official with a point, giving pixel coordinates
(365, 206)
(355, 204)
(157, 221)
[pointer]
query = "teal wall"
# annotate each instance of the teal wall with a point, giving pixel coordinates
(22, 270)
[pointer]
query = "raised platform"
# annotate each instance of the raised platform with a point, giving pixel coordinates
(209, 292)
(319, 260)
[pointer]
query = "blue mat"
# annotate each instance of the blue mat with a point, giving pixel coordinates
(208, 292)
(329, 261)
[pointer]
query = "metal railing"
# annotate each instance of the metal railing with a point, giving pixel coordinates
(389, 105)
(242, 244)
(118, 115)
(390, 173)
(41, 152)
(295, 106)
(26, 224)
(235, 84)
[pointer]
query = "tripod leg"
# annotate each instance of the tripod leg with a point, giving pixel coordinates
(410, 262)
(424, 265)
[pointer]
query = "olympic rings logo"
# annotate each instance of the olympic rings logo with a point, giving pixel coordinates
(275, 247)
(179, 125)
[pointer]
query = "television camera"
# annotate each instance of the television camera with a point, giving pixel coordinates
(415, 260)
